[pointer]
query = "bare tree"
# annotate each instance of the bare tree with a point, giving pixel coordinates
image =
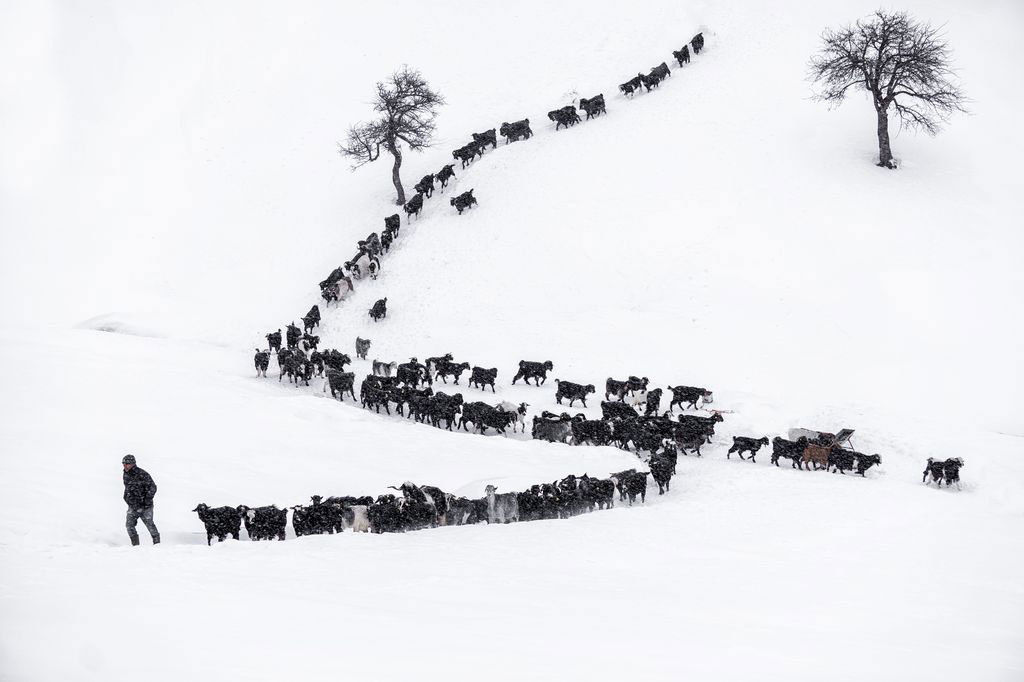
(903, 63)
(407, 108)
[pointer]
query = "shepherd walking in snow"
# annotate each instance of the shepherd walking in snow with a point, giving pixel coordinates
(139, 490)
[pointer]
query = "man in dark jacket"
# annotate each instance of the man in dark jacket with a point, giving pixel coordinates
(139, 490)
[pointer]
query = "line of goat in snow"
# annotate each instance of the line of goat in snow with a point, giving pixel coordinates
(367, 260)
(631, 419)
(419, 507)
(399, 384)
(294, 361)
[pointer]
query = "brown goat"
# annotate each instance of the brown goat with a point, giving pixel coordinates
(816, 455)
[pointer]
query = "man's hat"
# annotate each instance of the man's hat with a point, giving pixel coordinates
(128, 459)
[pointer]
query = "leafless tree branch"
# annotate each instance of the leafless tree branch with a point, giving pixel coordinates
(901, 62)
(407, 109)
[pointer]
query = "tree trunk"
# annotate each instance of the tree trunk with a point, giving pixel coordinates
(884, 150)
(395, 177)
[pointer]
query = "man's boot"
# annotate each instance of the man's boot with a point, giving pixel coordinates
(156, 539)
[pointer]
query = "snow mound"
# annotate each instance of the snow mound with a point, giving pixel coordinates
(118, 323)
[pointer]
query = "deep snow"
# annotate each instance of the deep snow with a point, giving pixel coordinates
(743, 570)
(171, 175)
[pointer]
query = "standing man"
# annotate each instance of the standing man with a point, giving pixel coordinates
(139, 490)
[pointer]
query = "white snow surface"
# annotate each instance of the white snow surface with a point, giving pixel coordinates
(170, 191)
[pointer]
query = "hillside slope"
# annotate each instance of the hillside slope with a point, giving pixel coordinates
(742, 570)
(171, 174)
(715, 233)
(715, 218)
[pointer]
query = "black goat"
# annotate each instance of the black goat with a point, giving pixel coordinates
(274, 340)
(373, 396)
(446, 368)
(467, 153)
(463, 201)
(552, 428)
(741, 444)
(631, 86)
(318, 518)
(512, 132)
(220, 522)
(336, 359)
(614, 410)
(481, 377)
(413, 206)
(865, 462)
(264, 523)
(565, 117)
(653, 407)
(317, 361)
(384, 515)
(262, 362)
(688, 395)
(593, 106)
(425, 186)
(311, 319)
(621, 388)
(649, 82)
(788, 449)
(574, 392)
(631, 484)
(488, 137)
(340, 383)
(292, 335)
(445, 408)
(445, 174)
(538, 371)
(593, 431)
(682, 56)
(946, 470)
(411, 373)
(698, 43)
(379, 309)
(662, 468)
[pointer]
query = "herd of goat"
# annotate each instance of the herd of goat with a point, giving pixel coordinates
(424, 506)
(366, 262)
(427, 506)
(632, 416)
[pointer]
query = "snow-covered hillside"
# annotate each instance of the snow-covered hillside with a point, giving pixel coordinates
(742, 570)
(726, 205)
(171, 174)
